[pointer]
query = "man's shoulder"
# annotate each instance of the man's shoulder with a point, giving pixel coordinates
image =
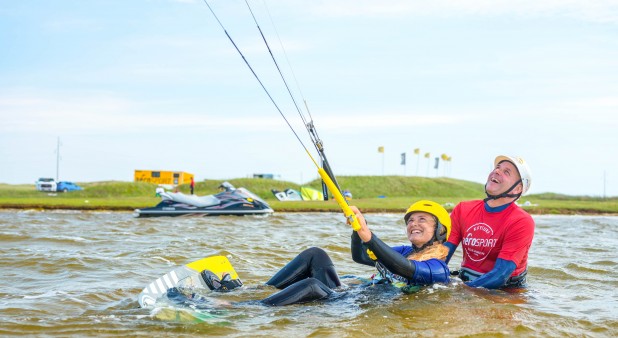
(520, 213)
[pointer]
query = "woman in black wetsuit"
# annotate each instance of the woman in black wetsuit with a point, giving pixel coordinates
(311, 275)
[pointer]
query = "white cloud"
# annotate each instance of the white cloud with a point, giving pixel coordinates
(386, 121)
(35, 111)
(596, 102)
(186, 1)
(587, 10)
(32, 110)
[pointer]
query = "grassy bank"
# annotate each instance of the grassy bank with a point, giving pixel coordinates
(371, 194)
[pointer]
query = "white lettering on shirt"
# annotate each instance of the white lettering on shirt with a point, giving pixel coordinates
(478, 241)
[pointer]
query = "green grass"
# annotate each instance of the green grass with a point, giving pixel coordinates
(399, 192)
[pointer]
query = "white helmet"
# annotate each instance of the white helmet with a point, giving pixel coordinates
(522, 167)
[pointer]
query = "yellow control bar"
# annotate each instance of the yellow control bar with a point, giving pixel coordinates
(343, 204)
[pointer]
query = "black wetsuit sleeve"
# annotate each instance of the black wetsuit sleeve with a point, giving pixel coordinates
(391, 259)
(359, 251)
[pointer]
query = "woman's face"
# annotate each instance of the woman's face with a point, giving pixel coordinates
(421, 228)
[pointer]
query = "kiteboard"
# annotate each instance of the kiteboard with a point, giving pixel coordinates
(186, 276)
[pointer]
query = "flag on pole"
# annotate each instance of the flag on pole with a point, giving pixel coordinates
(427, 155)
(403, 158)
(437, 163)
(381, 151)
(444, 157)
(417, 152)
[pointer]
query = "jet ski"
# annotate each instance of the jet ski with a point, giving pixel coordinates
(231, 201)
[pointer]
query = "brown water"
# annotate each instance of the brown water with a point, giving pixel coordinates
(74, 274)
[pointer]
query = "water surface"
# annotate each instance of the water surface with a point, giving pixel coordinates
(79, 273)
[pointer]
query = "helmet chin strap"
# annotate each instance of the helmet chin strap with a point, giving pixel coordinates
(504, 194)
(417, 249)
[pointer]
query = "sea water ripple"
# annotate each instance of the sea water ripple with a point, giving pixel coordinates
(79, 273)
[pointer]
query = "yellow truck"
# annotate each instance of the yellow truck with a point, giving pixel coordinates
(163, 177)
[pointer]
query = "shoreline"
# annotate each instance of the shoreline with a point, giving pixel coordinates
(529, 210)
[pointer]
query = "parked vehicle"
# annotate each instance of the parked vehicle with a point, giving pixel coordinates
(45, 184)
(230, 201)
(64, 186)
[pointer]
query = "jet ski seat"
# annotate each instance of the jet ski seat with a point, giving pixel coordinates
(198, 201)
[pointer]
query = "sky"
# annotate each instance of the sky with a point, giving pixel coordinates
(93, 90)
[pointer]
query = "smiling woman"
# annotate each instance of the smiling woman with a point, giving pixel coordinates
(427, 226)
(311, 275)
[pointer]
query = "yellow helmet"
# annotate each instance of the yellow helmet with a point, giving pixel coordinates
(438, 211)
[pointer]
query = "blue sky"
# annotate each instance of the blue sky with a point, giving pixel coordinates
(156, 84)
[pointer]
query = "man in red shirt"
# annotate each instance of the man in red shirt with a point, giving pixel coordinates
(495, 233)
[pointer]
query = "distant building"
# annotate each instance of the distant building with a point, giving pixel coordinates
(268, 176)
(163, 177)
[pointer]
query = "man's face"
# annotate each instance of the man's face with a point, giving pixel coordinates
(503, 176)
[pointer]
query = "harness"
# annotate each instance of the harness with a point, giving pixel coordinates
(386, 277)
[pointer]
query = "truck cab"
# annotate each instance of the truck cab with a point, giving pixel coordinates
(45, 184)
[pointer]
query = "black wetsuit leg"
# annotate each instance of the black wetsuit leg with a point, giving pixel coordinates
(313, 262)
(306, 290)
